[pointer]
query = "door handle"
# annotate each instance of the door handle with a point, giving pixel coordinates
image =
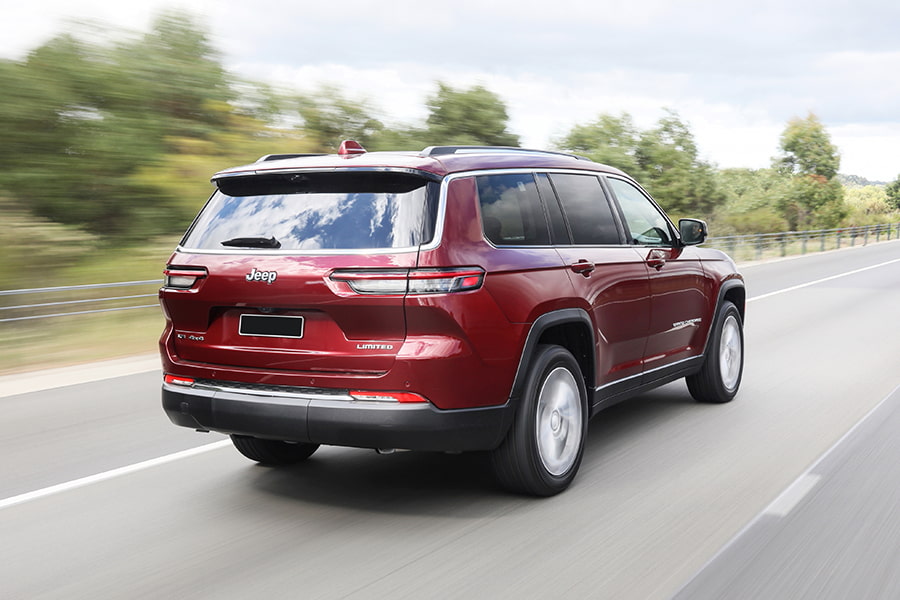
(656, 259)
(584, 267)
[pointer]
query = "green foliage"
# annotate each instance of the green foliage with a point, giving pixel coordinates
(664, 159)
(610, 140)
(815, 197)
(475, 116)
(892, 193)
(867, 206)
(751, 201)
(807, 149)
(329, 118)
(669, 161)
(80, 120)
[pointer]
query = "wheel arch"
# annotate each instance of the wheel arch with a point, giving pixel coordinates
(731, 290)
(570, 328)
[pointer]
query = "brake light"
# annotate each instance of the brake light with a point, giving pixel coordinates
(349, 147)
(176, 380)
(411, 281)
(403, 397)
(183, 278)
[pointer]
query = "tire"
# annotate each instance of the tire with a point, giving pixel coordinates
(544, 446)
(272, 452)
(720, 376)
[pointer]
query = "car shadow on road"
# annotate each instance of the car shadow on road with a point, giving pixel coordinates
(423, 483)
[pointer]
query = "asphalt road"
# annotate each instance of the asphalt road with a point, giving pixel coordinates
(97, 499)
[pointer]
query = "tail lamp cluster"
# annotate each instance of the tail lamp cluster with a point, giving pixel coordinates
(183, 278)
(410, 281)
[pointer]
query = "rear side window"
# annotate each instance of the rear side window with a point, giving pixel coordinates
(587, 209)
(511, 212)
(318, 211)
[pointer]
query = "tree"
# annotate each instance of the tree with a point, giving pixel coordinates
(475, 116)
(751, 201)
(815, 197)
(610, 140)
(664, 159)
(669, 163)
(79, 120)
(893, 193)
(329, 117)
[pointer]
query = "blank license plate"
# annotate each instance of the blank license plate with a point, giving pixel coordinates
(271, 326)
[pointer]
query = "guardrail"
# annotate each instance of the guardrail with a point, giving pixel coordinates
(54, 299)
(766, 245)
(740, 247)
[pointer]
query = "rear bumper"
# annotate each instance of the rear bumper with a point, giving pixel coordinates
(332, 418)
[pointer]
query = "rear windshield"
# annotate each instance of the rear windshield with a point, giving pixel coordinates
(317, 211)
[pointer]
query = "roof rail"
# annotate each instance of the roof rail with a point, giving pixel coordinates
(269, 157)
(439, 150)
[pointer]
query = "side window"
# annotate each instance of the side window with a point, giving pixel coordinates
(511, 213)
(643, 221)
(587, 209)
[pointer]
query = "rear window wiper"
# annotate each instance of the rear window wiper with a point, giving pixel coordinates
(253, 242)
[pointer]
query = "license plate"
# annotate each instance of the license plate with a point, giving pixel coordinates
(271, 326)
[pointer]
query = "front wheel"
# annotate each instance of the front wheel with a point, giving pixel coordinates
(544, 446)
(720, 376)
(272, 452)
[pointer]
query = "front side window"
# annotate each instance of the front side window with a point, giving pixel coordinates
(646, 225)
(511, 212)
(317, 211)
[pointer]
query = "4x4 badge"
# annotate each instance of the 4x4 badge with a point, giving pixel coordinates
(267, 276)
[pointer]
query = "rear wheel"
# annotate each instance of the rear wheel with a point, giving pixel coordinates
(543, 449)
(272, 452)
(720, 376)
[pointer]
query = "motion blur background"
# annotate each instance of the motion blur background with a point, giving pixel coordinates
(113, 116)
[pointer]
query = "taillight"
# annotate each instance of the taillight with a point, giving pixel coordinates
(410, 281)
(350, 147)
(404, 397)
(176, 380)
(183, 278)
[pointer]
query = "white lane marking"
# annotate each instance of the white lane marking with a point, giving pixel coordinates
(126, 470)
(806, 474)
(791, 497)
(823, 280)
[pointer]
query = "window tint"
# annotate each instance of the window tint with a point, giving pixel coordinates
(645, 224)
(587, 209)
(559, 232)
(318, 211)
(511, 212)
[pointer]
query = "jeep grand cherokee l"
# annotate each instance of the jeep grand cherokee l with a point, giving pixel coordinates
(454, 299)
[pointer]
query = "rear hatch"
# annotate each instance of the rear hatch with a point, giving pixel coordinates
(301, 271)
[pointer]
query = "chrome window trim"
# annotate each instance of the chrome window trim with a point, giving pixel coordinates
(534, 172)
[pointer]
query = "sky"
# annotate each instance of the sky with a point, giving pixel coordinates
(736, 72)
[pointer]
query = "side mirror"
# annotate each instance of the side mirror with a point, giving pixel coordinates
(693, 231)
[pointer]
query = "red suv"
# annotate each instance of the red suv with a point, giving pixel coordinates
(454, 299)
